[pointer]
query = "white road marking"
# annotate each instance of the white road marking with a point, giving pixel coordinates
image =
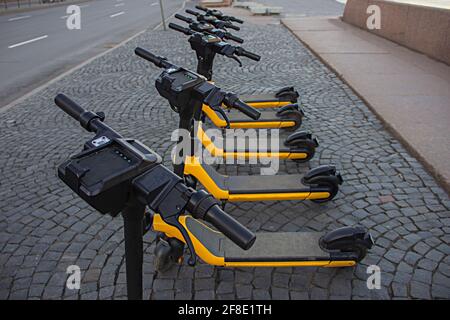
(116, 14)
(119, 4)
(28, 41)
(154, 3)
(19, 18)
(342, 1)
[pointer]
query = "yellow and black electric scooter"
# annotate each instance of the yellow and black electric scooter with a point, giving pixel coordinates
(206, 45)
(186, 96)
(117, 175)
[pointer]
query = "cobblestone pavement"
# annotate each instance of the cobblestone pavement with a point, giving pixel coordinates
(44, 226)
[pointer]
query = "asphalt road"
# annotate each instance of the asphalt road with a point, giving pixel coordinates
(36, 46)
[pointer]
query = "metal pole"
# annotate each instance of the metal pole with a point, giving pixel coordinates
(162, 15)
(132, 218)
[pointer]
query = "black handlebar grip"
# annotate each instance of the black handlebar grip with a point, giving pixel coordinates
(246, 109)
(201, 8)
(156, 60)
(234, 19)
(230, 227)
(183, 18)
(179, 28)
(192, 12)
(68, 106)
(249, 55)
(234, 38)
(232, 26)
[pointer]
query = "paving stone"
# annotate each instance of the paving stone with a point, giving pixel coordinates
(420, 290)
(225, 288)
(394, 255)
(422, 275)
(319, 294)
(440, 292)
(183, 296)
(261, 294)
(93, 295)
(261, 283)
(296, 295)
(21, 294)
(204, 295)
(411, 258)
(280, 294)
(183, 285)
(204, 284)
(204, 271)
(36, 290)
(399, 289)
(163, 295)
(163, 284)
(54, 292)
(281, 280)
(106, 293)
(243, 291)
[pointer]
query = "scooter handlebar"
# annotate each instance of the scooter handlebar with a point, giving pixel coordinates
(158, 61)
(248, 54)
(234, 38)
(203, 206)
(234, 19)
(231, 26)
(246, 109)
(201, 8)
(69, 106)
(230, 227)
(183, 18)
(181, 29)
(192, 12)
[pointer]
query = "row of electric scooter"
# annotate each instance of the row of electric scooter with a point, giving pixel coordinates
(120, 175)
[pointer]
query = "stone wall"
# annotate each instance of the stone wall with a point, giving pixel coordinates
(420, 28)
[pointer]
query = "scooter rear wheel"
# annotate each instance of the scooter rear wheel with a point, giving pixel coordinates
(292, 115)
(168, 252)
(309, 149)
(360, 250)
(328, 183)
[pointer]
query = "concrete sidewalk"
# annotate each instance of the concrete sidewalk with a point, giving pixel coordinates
(407, 90)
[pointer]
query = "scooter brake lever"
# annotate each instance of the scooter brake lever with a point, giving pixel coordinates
(236, 59)
(173, 221)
